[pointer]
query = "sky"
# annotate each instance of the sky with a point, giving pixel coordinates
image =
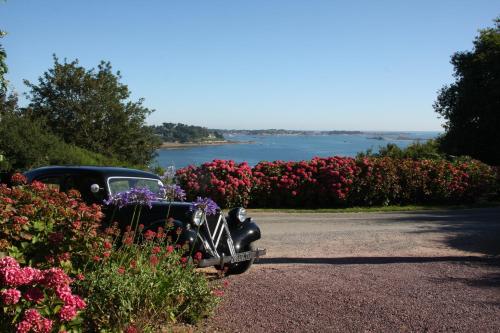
(234, 64)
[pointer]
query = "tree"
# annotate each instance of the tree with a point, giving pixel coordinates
(91, 109)
(471, 105)
(3, 67)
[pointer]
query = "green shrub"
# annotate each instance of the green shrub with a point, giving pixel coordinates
(417, 150)
(25, 144)
(146, 286)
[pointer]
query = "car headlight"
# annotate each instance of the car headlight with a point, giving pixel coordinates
(242, 214)
(197, 217)
(238, 215)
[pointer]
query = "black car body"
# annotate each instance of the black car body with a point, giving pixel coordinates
(223, 241)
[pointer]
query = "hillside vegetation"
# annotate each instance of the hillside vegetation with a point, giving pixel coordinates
(170, 132)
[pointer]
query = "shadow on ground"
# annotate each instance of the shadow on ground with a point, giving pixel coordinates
(472, 230)
(378, 260)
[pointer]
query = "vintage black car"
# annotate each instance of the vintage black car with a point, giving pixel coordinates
(225, 241)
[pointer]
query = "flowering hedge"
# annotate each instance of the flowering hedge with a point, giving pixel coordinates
(226, 182)
(339, 182)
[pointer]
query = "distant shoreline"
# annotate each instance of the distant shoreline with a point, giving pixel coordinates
(182, 145)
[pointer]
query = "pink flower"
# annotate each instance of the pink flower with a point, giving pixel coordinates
(13, 276)
(121, 270)
(55, 277)
(67, 313)
(156, 250)
(32, 315)
(10, 296)
(8, 262)
(170, 249)
(23, 327)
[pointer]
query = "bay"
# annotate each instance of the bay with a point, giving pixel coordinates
(287, 147)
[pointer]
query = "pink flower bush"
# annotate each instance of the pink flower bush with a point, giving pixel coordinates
(340, 181)
(43, 288)
(226, 182)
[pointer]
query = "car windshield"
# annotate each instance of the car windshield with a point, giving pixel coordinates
(123, 184)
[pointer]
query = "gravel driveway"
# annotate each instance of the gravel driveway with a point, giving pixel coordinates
(369, 272)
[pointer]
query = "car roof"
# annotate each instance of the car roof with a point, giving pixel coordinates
(100, 170)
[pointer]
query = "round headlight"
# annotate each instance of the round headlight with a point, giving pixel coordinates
(197, 217)
(241, 214)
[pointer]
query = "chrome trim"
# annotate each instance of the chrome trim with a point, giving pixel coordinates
(125, 177)
(214, 238)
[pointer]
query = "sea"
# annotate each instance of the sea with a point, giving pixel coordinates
(255, 148)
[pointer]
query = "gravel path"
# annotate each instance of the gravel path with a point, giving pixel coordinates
(357, 272)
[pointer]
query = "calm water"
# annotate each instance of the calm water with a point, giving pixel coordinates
(287, 148)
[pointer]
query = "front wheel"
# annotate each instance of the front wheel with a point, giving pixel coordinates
(241, 267)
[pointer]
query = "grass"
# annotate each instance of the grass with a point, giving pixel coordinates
(391, 208)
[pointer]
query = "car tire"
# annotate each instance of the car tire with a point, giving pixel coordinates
(241, 267)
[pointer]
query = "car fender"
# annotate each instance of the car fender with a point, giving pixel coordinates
(249, 232)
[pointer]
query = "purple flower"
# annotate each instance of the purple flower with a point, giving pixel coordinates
(172, 192)
(135, 196)
(169, 174)
(207, 205)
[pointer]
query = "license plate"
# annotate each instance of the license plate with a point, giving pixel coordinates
(243, 256)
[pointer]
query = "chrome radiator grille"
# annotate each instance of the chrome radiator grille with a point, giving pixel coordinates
(217, 240)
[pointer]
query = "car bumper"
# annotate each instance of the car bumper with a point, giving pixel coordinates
(229, 259)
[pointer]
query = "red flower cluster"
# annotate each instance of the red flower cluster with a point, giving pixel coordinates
(42, 222)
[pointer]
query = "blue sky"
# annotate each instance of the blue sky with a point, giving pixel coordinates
(310, 64)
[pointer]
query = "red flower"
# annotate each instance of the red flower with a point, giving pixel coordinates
(156, 250)
(18, 179)
(149, 235)
(170, 249)
(131, 329)
(198, 256)
(153, 260)
(121, 270)
(218, 293)
(107, 245)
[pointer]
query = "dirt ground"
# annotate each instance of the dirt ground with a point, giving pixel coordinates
(369, 272)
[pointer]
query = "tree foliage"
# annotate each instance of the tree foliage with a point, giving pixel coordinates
(26, 144)
(92, 109)
(170, 132)
(3, 66)
(415, 151)
(471, 105)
